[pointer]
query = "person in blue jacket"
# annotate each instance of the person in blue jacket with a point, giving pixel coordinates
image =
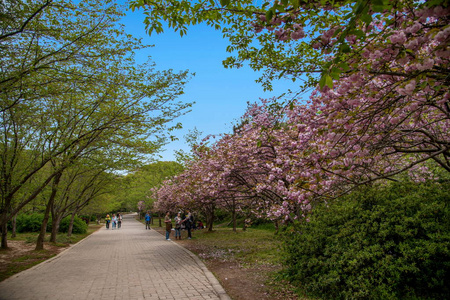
(148, 218)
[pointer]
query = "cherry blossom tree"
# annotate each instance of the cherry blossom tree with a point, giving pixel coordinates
(381, 108)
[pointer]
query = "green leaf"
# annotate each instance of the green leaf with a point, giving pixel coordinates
(359, 6)
(322, 81)
(224, 2)
(269, 15)
(344, 48)
(295, 3)
(329, 81)
(378, 8)
(366, 18)
(377, 2)
(335, 74)
(359, 33)
(344, 66)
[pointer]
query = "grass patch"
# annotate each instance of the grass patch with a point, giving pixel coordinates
(253, 246)
(19, 266)
(62, 239)
(259, 245)
(23, 261)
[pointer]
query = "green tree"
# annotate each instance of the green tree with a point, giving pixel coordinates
(138, 184)
(102, 204)
(79, 184)
(70, 86)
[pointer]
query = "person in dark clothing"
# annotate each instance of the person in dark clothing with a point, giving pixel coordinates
(189, 221)
(119, 221)
(107, 220)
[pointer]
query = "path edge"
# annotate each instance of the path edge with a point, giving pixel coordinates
(218, 288)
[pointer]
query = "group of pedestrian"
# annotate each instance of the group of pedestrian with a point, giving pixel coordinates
(185, 222)
(116, 221)
(180, 223)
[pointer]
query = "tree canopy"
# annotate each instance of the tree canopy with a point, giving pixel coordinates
(70, 91)
(379, 109)
(290, 38)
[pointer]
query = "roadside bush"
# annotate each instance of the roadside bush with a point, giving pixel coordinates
(33, 222)
(86, 218)
(79, 225)
(29, 222)
(385, 243)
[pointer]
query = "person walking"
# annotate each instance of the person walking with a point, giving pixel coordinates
(178, 221)
(188, 221)
(114, 221)
(168, 222)
(148, 218)
(107, 220)
(119, 221)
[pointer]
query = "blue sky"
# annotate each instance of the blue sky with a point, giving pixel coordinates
(220, 94)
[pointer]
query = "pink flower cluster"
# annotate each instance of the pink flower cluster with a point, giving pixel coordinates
(388, 114)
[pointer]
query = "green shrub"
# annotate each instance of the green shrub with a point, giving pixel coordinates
(29, 222)
(86, 218)
(265, 225)
(33, 222)
(385, 243)
(220, 216)
(79, 225)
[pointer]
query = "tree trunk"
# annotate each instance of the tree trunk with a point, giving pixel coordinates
(69, 231)
(4, 229)
(233, 215)
(14, 226)
(210, 221)
(210, 217)
(4, 222)
(40, 239)
(56, 221)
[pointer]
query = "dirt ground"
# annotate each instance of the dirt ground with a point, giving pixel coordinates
(20, 255)
(239, 281)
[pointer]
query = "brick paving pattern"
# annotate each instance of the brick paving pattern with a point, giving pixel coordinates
(129, 263)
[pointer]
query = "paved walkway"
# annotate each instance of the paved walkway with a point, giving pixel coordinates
(129, 263)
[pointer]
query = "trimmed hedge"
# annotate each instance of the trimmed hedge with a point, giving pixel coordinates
(385, 243)
(33, 222)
